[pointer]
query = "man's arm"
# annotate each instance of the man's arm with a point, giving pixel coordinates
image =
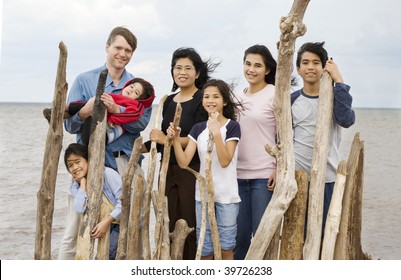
(141, 123)
(74, 123)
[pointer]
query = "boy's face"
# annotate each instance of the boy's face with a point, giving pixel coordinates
(133, 91)
(77, 166)
(311, 68)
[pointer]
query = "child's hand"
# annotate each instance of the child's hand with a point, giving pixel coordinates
(332, 68)
(173, 132)
(110, 125)
(82, 184)
(100, 229)
(213, 124)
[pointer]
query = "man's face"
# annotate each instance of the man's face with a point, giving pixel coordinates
(119, 53)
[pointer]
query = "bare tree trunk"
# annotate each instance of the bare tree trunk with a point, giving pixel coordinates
(292, 240)
(127, 179)
(272, 251)
(334, 215)
(162, 186)
(202, 232)
(45, 195)
(348, 245)
(103, 245)
(133, 224)
(95, 181)
(286, 187)
(165, 247)
(318, 169)
(210, 200)
(146, 255)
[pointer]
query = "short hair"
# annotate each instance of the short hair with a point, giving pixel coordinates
(269, 61)
(76, 149)
(124, 32)
(316, 48)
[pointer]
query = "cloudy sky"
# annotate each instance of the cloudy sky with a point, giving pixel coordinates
(363, 37)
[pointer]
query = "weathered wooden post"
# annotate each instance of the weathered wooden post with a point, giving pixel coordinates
(334, 215)
(133, 224)
(146, 255)
(95, 178)
(210, 200)
(54, 140)
(318, 170)
(126, 191)
(202, 189)
(178, 237)
(348, 245)
(162, 186)
(103, 245)
(291, 27)
(293, 235)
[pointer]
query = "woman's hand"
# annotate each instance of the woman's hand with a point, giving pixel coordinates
(157, 136)
(271, 183)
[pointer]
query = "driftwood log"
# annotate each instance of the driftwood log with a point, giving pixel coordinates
(293, 234)
(210, 200)
(133, 249)
(165, 247)
(291, 27)
(334, 215)
(272, 252)
(318, 170)
(162, 186)
(348, 245)
(95, 178)
(146, 254)
(103, 245)
(202, 189)
(126, 191)
(54, 140)
(178, 237)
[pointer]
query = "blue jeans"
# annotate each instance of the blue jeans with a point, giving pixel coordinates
(124, 143)
(114, 233)
(226, 220)
(328, 193)
(254, 199)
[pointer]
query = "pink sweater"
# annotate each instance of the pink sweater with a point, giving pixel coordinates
(258, 128)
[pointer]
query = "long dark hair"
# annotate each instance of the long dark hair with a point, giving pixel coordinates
(268, 59)
(232, 109)
(204, 68)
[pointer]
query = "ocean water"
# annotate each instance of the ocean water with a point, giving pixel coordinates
(22, 143)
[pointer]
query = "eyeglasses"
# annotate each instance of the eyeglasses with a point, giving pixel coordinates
(186, 69)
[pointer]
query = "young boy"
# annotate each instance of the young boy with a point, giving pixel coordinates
(312, 60)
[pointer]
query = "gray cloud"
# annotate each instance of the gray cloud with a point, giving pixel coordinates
(363, 37)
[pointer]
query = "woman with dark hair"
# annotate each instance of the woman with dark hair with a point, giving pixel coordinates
(189, 73)
(255, 168)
